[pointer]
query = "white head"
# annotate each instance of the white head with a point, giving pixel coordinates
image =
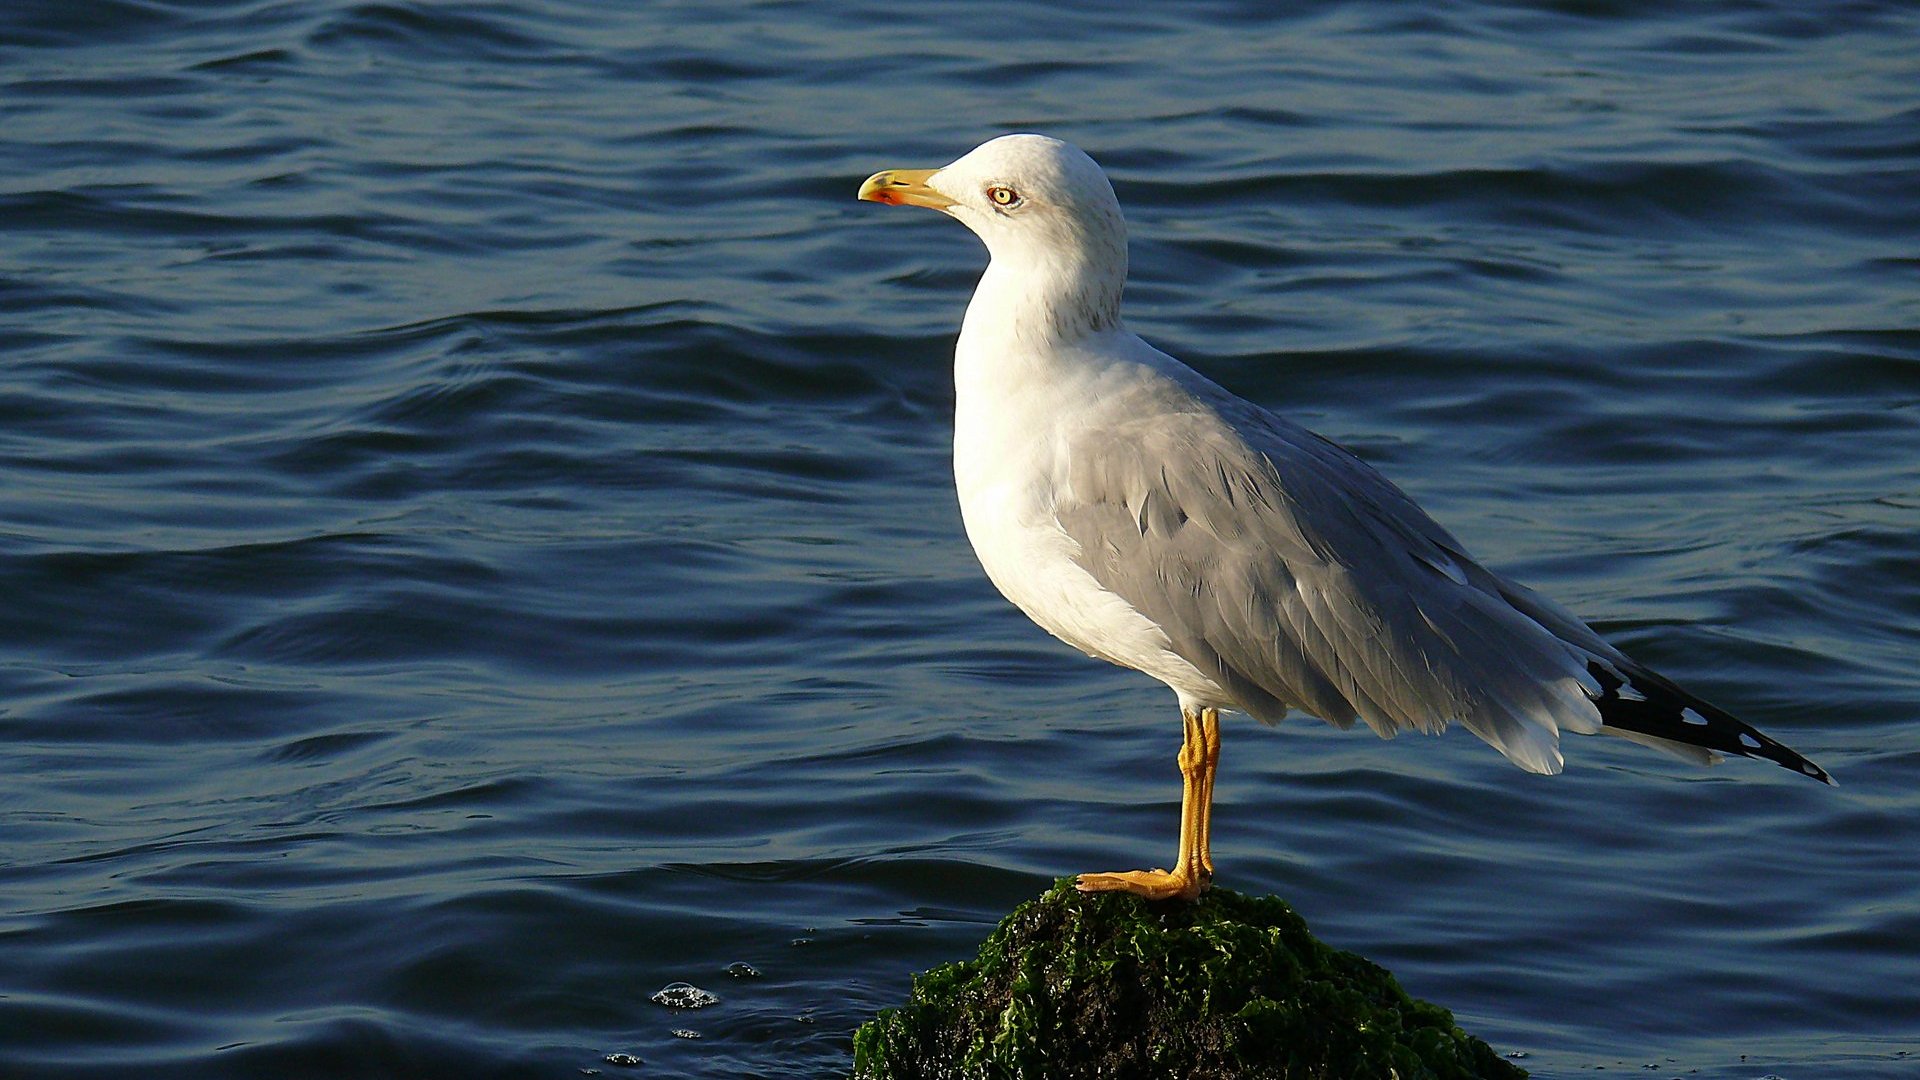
(1048, 217)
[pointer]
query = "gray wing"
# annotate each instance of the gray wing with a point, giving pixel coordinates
(1295, 575)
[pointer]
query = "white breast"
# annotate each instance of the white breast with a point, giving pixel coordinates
(1008, 470)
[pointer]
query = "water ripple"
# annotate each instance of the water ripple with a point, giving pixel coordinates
(480, 543)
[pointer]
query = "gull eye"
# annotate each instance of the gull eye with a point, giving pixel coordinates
(1003, 197)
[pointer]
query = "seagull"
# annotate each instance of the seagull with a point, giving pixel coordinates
(1146, 516)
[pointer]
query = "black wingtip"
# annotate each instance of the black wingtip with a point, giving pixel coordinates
(1640, 701)
(1805, 767)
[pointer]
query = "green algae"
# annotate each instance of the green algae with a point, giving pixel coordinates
(1107, 985)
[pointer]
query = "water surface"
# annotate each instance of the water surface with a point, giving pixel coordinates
(477, 537)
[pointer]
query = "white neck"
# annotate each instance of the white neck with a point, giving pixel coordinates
(1042, 298)
(1022, 346)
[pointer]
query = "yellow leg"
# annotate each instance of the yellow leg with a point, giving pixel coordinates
(1193, 868)
(1210, 734)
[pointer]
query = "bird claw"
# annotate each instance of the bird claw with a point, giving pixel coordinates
(1152, 884)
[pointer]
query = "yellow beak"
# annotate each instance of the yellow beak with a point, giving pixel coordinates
(904, 187)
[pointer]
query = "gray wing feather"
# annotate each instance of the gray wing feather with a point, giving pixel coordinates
(1295, 575)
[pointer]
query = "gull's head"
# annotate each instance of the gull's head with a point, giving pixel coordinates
(1041, 206)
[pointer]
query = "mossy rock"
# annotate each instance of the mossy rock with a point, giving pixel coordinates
(1108, 985)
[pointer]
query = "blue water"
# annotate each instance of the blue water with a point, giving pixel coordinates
(477, 541)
